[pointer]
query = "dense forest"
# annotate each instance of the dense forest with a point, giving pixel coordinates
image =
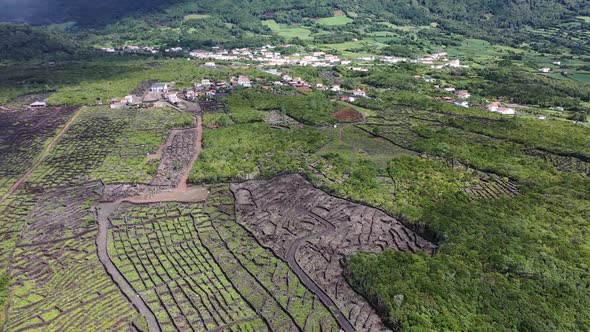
(23, 42)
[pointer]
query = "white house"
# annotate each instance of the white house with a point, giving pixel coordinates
(132, 100)
(160, 87)
(463, 94)
(172, 97)
(359, 93)
(335, 88)
(544, 69)
(38, 104)
(454, 63)
(497, 108)
(244, 81)
(462, 103)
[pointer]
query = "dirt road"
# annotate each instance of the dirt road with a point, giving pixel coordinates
(41, 156)
(102, 212)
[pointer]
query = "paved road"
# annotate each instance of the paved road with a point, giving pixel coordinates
(345, 325)
(102, 212)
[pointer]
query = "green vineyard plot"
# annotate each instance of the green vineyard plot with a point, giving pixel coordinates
(107, 145)
(197, 269)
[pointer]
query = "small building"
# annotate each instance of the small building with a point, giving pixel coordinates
(461, 103)
(463, 94)
(132, 100)
(545, 69)
(557, 63)
(172, 97)
(454, 63)
(190, 94)
(335, 88)
(160, 87)
(498, 108)
(506, 110)
(38, 104)
(359, 93)
(449, 89)
(210, 64)
(119, 104)
(244, 81)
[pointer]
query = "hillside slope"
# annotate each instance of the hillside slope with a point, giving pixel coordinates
(23, 42)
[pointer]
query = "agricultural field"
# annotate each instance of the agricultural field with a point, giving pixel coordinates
(23, 136)
(244, 151)
(288, 32)
(56, 282)
(196, 268)
(195, 17)
(313, 231)
(275, 208)
(107, 145)
(335, 20)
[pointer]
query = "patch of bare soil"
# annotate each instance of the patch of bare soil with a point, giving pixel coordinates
(314, 231)
(191, 194)
(348, 114)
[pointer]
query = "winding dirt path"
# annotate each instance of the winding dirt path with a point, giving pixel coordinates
(42, 156)
(329, 229)
(103, 211)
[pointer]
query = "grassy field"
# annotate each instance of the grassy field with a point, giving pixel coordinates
(585, 77)
(288, 31)
(335, 20)
(477, 48)
(354, 49)
(195, 16)
(247, 150)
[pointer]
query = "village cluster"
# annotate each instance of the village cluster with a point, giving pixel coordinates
(162, 94)
(166, 94)
(269, 56)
